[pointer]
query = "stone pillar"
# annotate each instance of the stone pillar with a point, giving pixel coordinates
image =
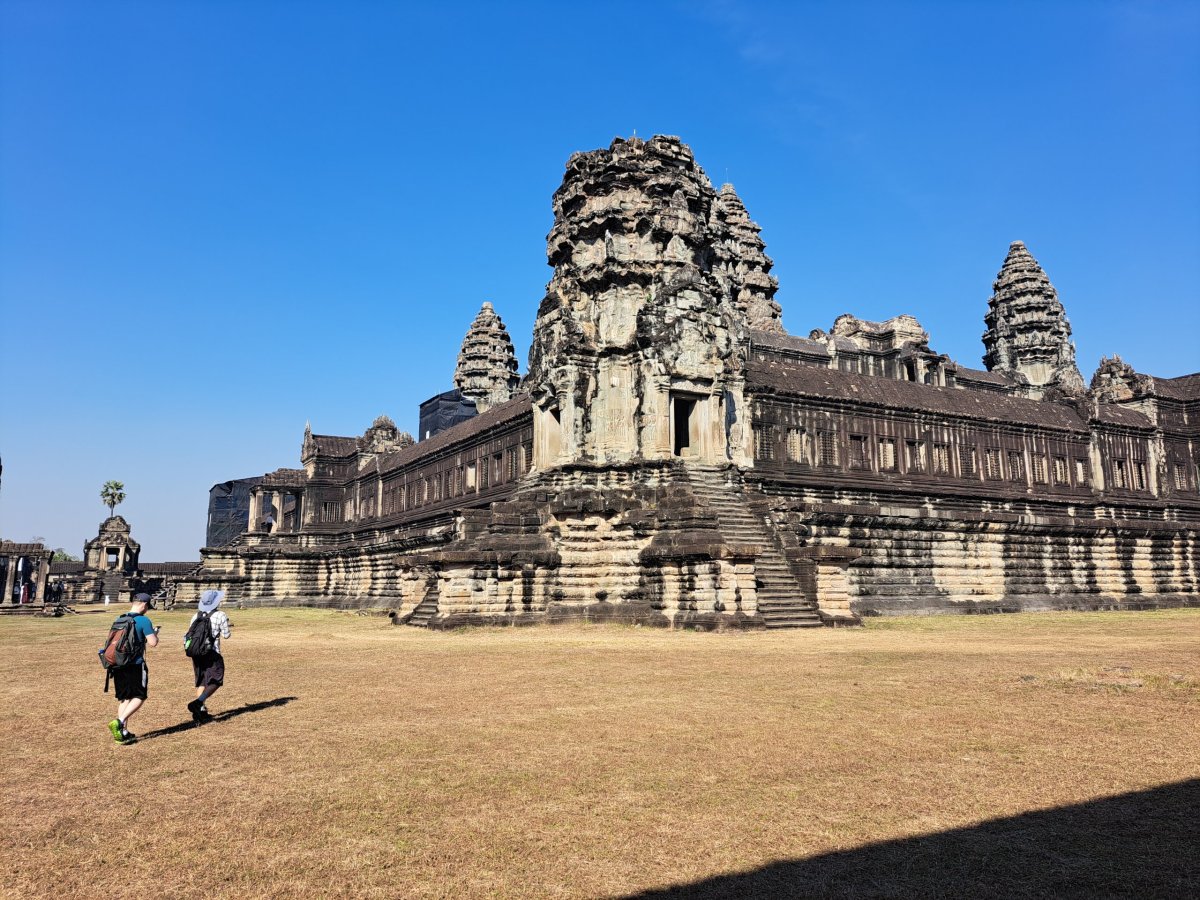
(255, 506)
(44, 577)
(10, 579)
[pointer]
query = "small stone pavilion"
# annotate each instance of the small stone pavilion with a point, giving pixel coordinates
(674, 457)
(24, 572)
(112, 570)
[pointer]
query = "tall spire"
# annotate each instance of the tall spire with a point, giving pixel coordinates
(487, 366)
(1027, 329)
(742, 263)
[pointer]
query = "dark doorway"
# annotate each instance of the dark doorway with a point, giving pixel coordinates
(683, 408)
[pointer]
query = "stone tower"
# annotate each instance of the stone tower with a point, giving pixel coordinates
(1027, 330)
(487, 366)
(638, 345)
(742, 263)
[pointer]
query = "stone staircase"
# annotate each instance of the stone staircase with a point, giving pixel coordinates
(425, 610)
(111, 584)
(780, 601)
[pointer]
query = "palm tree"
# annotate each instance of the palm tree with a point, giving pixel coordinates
(113, 493)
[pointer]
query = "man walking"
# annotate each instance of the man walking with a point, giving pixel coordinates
(131, 683)
(209, 669)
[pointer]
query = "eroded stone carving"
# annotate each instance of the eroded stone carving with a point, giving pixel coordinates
(487, 366)
(1027, 329)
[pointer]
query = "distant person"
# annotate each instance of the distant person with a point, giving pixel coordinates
(209, 665)
(268, 523)
(131, 683)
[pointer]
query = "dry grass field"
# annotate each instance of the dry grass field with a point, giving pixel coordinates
(1018, 755)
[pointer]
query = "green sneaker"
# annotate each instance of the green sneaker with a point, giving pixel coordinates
(115, 728)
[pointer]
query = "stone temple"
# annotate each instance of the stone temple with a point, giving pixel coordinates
(674, 457)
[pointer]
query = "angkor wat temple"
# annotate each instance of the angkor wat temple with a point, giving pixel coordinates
(673, 456)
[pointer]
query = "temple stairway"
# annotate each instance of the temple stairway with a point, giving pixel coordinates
(426, 609)
(111, 585)
(780, 600)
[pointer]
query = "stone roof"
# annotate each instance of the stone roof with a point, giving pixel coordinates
(835, 385)
(788, 343)
(1112, 414)
(518, 406)
(284, 478)
(334, 445)
(965, 373)
(1185, 387)
(75, 567)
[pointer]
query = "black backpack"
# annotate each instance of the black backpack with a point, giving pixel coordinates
(198, 641)
(122, 647)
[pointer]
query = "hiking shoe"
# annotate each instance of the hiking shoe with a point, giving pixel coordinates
(199, 713)
(130, 737)
(114, 728)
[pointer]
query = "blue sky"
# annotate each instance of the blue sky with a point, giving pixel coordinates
(219, 220)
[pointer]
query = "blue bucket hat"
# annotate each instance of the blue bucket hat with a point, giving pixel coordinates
(210, 600)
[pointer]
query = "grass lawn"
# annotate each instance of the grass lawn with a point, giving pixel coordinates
(607, 760)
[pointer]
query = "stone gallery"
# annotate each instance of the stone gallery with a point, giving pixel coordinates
(674, 457)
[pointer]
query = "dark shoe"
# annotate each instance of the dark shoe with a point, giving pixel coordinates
(130, 738)
(196, 708)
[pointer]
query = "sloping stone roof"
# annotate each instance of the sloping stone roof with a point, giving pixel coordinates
(334, 445)
(777, 340)
(1185, 387)
(68, 568)
(464, 431)
(965, 373)
(833, 384)
(1113, 414)
(284, 478)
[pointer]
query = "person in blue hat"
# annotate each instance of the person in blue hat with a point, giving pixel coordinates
(209, 669)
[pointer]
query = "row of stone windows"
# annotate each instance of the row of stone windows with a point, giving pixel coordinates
(472, 477)
(921, 457)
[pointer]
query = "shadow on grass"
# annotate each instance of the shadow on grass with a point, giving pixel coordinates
(218, 718)
(1141, 844)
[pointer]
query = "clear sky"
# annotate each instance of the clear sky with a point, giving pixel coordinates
(219, 220)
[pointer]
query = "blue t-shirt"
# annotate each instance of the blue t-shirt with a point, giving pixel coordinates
(144, 627)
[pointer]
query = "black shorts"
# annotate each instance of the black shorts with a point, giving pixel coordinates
(131, 682)
(209, 670)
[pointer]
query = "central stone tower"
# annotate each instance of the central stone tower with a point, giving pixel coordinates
(639, 345)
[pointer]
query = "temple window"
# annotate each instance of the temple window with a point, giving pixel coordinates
(348, 512)
(941, 458)
(472, 481)
(966, 461)
(914, 456)
(1139, 476)
(484, 472)
(795, 445)
(1016, 465)
(1120, 474)
(1060, 470)
(827, 448)
(1181, 480)
(512, 464)
(887, 454)
(858, 452)
(764, 441)
(991, 460)
(498, 461)
(527, 454)
(1039, 468)
(1081, 472)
